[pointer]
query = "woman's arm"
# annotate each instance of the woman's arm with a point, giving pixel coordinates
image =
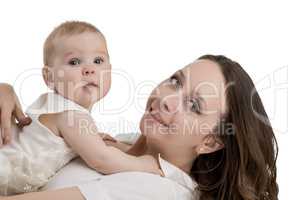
(10, 109)
(66, 193)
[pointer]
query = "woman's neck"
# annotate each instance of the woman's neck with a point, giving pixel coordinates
(182, 160)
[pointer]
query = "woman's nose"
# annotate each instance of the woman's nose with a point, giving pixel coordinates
(168, 104)
(86, 71)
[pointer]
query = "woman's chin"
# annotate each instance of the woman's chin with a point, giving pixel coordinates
(152, 128)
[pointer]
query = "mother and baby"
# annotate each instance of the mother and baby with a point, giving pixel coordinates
(204, 134)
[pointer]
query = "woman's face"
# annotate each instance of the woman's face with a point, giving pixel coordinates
(184, 109)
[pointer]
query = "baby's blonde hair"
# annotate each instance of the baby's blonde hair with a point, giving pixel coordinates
(67, 28)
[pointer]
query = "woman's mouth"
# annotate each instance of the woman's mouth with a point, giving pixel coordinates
(158, 119)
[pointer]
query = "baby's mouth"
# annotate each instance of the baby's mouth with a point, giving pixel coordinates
(92, 84)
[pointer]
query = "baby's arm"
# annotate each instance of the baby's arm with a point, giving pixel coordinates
(138, 148)
(119, 145)
(80, 132)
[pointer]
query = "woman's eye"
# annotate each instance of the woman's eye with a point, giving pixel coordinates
(175, 81)
(98, 60)
(74, 61)
(194, 106)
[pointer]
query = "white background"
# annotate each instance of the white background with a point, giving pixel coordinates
(149, 40)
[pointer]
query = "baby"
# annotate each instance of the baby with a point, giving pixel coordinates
(77, 69)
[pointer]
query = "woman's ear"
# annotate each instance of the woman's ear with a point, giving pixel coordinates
(211, 143)
(48, 76)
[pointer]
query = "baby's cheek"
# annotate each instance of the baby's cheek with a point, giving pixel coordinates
(71, 76)
(105, 86)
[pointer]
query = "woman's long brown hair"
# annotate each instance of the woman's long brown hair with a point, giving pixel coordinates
(246, 167)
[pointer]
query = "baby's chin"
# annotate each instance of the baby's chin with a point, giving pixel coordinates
(87, 98)
(84, 97)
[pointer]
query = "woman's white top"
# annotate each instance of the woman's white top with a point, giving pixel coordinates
(176, 185)
(35, 153)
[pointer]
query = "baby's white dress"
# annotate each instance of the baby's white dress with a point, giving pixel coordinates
(35, 154)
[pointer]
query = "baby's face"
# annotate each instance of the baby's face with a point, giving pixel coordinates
(81, 68)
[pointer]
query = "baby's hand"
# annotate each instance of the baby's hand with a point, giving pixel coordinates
(106, 137)
(151, 165)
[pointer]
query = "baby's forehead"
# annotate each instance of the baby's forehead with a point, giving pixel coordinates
(84, 42)
(85, 37)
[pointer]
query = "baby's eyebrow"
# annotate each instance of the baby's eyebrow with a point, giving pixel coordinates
(102, 53)
(68, 54)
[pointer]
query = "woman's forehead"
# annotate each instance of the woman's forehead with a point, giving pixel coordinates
(203, 75)
(204, 78)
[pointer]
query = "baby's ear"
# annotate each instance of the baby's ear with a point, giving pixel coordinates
(48, 76)
(210, 144)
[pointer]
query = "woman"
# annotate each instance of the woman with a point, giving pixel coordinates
(207, 122)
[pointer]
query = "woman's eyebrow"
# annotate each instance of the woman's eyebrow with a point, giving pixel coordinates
(200, 99)
(181, 75)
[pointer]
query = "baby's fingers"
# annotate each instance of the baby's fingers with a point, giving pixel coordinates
(109, 138)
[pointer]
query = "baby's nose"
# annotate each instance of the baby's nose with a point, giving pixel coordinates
(86, 71)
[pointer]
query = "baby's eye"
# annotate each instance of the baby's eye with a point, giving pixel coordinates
(175, 82)
(194, 106)
(98, 60)
(74, 61)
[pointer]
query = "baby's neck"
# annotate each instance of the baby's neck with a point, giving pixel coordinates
(86, 106)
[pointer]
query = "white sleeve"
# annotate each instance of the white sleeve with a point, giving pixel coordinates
(74, 173)
(129, 185)
(92, 190)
